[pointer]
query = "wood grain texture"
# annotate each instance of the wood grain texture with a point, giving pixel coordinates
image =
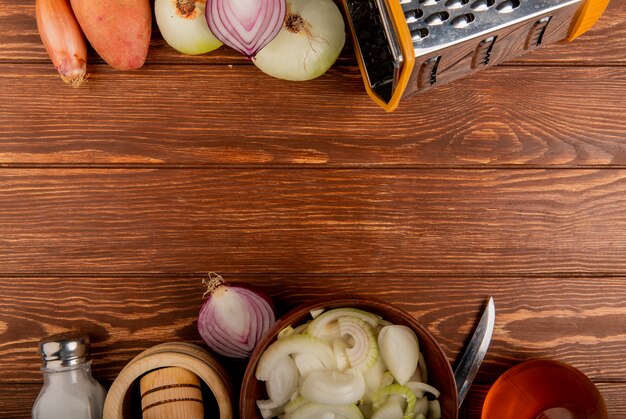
(576, 320)
(19, 41)
(17, 400)
(316, 220)
(233, 116)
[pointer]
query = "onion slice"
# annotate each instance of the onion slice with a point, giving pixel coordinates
(293, 344)
(245, 25)
(399, 348)
(333, 387)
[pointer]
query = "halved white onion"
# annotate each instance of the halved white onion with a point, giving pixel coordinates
(312, 36)
(184, 27)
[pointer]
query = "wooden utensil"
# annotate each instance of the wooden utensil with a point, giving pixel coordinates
(171, 393)
(176, 354)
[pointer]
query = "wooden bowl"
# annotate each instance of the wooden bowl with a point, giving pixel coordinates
(175, 354)
(440, 372)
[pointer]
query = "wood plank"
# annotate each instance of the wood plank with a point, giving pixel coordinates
(16, 400)
(575, 320)
(316, 220)
(19, 42)
(504, 116)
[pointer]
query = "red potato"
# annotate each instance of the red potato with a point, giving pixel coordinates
(119, 30)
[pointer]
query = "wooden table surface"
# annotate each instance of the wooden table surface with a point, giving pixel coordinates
(117, 197)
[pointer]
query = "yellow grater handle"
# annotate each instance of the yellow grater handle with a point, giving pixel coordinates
(408, 55)
(587, 16)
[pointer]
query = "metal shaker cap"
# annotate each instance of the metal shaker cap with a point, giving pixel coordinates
(64, 349)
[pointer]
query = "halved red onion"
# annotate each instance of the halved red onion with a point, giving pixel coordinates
(245, 25)
(234, 317)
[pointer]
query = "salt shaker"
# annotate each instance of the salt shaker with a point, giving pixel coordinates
(69, 391)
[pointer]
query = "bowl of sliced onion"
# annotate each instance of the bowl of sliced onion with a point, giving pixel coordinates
(348, 358)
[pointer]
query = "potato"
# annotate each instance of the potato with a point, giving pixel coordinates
(119, 30)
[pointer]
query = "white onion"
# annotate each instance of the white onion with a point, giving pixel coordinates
(183, 26)
(234, 318)
(308, 43)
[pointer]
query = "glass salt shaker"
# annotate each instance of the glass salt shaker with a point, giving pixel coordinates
(69, 391)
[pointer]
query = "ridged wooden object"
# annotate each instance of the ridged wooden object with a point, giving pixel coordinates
(171, 393)
(177, 354)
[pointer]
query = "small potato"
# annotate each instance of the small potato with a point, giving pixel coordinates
(119, 30)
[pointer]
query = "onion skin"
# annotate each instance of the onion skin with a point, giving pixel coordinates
(247, 30)
(119, 30)
(63, 39)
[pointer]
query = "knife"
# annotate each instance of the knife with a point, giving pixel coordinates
(475, 353)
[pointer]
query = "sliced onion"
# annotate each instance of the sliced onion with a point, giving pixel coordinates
(333, 387)
(400, 350)
(245, 25)
(307, 363)
(434, 409)
(295, 404)
(389, 411)
(423, 369)
(322, 411)
(415, 386)
(374, 376)
(325, 325)
(421, 406)
(183, 26)
(283, 381)
(341, 357)
(382, 397)
(308, 44)
(234, 318)
(364, 352)
(293, 344)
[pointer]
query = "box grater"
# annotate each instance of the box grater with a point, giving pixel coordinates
(409, 46)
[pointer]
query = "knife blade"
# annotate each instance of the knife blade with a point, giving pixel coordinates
(473, 356)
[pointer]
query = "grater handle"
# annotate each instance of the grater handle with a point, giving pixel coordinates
(587, 16)
(408, 55)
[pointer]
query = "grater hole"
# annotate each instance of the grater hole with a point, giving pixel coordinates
(507, 6)
(413, 16)
(463, 21)
(482, 5)
(419, 34)
(437, 18)
(456, 4)
(429, 2)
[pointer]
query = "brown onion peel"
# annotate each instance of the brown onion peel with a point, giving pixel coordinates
(63, 39)
(234, 317)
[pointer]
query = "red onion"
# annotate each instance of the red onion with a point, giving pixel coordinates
(234, 317)
(245, 25)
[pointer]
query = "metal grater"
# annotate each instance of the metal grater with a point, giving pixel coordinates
(408, 46)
